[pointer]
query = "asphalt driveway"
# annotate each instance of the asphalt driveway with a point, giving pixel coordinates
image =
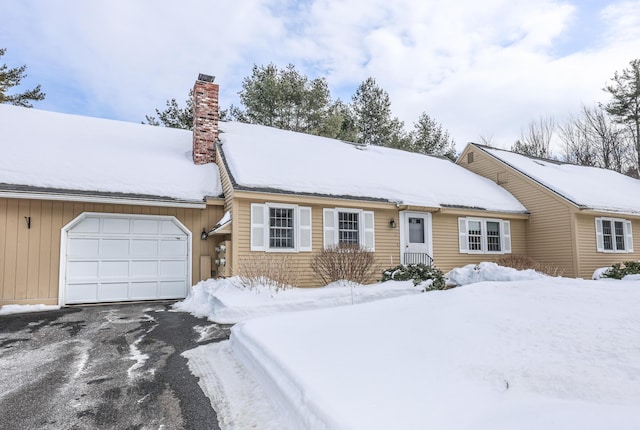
(103, 367)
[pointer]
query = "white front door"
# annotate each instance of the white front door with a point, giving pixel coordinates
(415, 237)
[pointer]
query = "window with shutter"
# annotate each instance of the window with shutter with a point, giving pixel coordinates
(484, 236)
(280, 228)
(613, 235)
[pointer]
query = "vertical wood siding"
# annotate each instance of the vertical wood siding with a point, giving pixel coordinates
(30, 258)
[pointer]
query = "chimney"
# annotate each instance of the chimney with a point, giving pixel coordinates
(205, 119)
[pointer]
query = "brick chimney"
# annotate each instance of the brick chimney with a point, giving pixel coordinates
(205, 119)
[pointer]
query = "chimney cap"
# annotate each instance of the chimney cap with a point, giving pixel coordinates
(206, 78)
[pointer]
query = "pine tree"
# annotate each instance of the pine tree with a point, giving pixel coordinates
(10, 78)
(625, 106)
(430, 138)
(372, 117)
(174, 116)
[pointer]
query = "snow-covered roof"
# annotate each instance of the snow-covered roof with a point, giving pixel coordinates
(48, 150)
(588, 187)
(266, 158)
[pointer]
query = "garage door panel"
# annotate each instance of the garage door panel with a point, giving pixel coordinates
(169, 227)
(144, 290)
(80, 247)
(116, 226)
(113, 291)
(82, 293)
(114, 248)
(146, 226)
(114, 269)
(87, 225)
(82, 270)
(172, 289)
(172, 269)
(144, 269)
(123, 258)
(144, 247)
(173, 248)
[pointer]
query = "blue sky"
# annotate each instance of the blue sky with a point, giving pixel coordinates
(482, 69)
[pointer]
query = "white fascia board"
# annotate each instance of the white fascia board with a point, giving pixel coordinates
(101, 199)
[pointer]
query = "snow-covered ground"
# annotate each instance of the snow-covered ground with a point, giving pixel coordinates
(542, 353)
(20, 309)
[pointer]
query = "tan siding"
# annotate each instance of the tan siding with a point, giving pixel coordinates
(590, 259)
(387, 239)
(446, 251)
(549, 230)
(30, 258)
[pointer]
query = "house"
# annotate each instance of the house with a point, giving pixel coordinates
(291, 194)
(95, 210)
(582, 218)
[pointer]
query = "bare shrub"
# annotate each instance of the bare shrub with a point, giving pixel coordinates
(521, 262)
(344, 262)
(279, 272)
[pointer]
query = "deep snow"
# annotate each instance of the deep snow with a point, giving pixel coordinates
(545, 353)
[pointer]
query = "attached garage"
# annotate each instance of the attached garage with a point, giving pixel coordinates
(115, 258)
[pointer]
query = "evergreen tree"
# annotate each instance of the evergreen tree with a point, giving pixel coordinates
(174, 116)
(11, 77)
(625, 106)
(430, 138)
(372, 114)
(286, 99)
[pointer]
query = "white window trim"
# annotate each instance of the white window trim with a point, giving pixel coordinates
(366, 225)
(627, 236)
(262, 229)
(463, 233)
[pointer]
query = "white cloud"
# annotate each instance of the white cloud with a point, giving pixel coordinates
(480, 68)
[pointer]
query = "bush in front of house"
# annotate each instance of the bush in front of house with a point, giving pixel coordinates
(278, 272)
(418, 273)
(620, 270)
(344, 262)
(521, 262)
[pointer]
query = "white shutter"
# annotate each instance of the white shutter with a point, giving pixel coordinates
(599, 237)
(628, 234)
(369, 231)
(304, 223)
(506, 237)
(259, 227)
(462, 235)
(329, 227)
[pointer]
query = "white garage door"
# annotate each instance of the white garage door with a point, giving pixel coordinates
(113, 258)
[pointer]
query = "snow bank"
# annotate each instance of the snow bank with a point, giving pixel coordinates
(488, 271)
(21, 309)
(550, 353)
(225, 301)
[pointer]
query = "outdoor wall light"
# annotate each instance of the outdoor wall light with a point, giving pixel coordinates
(392, 223)
(204, 235)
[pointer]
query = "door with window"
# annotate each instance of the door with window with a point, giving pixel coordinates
(415, 238)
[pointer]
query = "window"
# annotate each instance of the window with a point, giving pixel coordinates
(484, 236)
(613, 235)
(348, 226)
(280, 227)
(416, 230)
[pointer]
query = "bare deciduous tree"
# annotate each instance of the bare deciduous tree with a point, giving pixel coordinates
(536, 139)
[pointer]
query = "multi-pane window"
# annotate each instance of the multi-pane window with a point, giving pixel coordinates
(474, 235)
(348, 228)
(484, 235)
(613, 235)
(493, 236)
(281, 227)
